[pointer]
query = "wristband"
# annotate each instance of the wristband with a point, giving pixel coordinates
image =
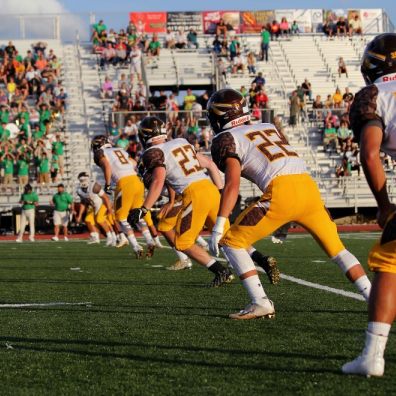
(219, 225)
(144, 210)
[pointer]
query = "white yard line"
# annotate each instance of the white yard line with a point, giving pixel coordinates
(49, 304)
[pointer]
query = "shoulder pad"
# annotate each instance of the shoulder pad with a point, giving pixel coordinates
(223, 147)
(153, 158)
(98, 155)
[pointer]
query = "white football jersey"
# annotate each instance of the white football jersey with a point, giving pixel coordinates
(120, 163)
(264, 153)
(91, 195)
(180, 161)
(376, 104)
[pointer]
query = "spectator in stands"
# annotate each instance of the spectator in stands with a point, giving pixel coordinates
(294, 108)
(181, 39)
(347, 98)
(344, 135)
(43, 168)
(154, 46)
(62, 202)
(136, 62)
(265, 41)
(261, 99)
(294, 29)
(238, 64)
(251, 63)
(252, 93)
(355, 26)
(58, 147)
(259, 80)
(192, 39)
(107, 90)
(342, 27)
(8, 162)
(172, 107)
(189, 99)
(244, 92)
(222, 69)
(216, 44)
(23, 168)
(122, 141)
(330, 138)
(307, 88)
(121, 52)
(221, 29)
(354, 159)
(108, 56)
(234, 48)
(317, 106)
(275, 30)
(99, 27)
(203, 99)
(342, 68)
(328, 28)
(332, 119)
(284, 27)
(329, 104)
(29, 201)
(337, 99)
(130, 128)
(343, 169)
(170, 40)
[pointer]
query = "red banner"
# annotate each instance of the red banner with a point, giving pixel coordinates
(149, 22)
(211, 18)
(253, 21)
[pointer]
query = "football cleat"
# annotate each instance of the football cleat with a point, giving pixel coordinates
(255, 311)
(150, 251)
(31, 238)
(18, 240)
(181, 265)
(158, 243)
(139, 253)
(93, 241)
(225, 276)
(55, 239)
(269, 265)
(121, 243)
(367, 365)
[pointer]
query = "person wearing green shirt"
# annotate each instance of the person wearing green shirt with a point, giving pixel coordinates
(265, 41)
(62, 201)
(59, 149)
(8, 165)
(54, 167)
(29, 200)
(122, 142)
(23, 170)
(99, 27)
(44, 169)
(4, 132)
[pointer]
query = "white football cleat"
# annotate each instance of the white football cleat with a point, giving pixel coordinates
(109, 241)
(371, 362)
(31, 238)
(55, 239)
(122, 242)
(93, 241)
(158, 243)
(254, 311)
(66, 239)
(180, 265)
(18, 240)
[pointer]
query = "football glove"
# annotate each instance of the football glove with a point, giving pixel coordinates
(136, 215)
(107, 189)
(217, 234)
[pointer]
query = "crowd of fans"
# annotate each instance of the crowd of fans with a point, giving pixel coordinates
(32, 104)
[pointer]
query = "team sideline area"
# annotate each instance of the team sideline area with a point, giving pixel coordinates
(94, 320)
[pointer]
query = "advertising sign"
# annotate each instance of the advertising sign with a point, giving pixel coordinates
(185, 21)
(211, 18)
(149, 22)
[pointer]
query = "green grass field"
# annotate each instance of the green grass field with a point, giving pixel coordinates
(152, 331)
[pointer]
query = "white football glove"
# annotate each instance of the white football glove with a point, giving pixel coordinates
(217, 234)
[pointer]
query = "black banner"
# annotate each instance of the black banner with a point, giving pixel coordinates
(185, 21)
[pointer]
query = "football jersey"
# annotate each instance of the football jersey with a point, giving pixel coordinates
(263, 152)
(376, 105)
(121, 165)
(179, 159)
(91, 196)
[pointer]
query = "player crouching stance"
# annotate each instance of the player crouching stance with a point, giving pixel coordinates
(262, 155)
(177, 163)
(373, 121)
(129, 192)
(99, 209)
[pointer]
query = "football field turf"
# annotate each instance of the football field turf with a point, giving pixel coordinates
(140, 329)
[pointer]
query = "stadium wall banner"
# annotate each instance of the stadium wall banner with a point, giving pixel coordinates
(372, 20)
(149, 22)
(303, 19)
(287, 13)
(317, 19)
(253, 21)
(211, 18)
(334, 14)
(185, 21)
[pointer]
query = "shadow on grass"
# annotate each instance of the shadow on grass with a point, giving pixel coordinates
(175, 360)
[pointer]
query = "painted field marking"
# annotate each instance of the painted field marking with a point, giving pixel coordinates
(38, 305)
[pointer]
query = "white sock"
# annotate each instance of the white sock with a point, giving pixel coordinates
(211, 262)
(181, 255)
(201, 242)
(379, 328)
(157, 241)
(109, 235)
(147, 237)
(255, 290)
(122, 237)
(363, 284)
(133, 242)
